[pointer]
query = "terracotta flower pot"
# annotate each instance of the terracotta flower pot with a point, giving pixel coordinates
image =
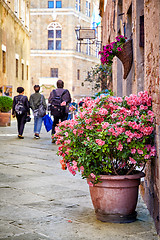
(115, 198)
(5, 119)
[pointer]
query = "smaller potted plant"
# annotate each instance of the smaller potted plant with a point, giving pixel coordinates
(5, 107)
(108, 140)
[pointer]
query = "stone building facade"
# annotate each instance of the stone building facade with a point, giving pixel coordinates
(139, 19)
(55, 51)
(15, 45)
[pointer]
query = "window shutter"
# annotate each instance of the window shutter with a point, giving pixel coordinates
(141, 42)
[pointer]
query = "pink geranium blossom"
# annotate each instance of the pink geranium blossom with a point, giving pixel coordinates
(100, 142)
(132, 160)
(90, 184)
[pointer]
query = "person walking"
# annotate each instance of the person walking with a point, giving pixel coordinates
(35, 100)
(73, 109)
(20, 109)
(59, 99)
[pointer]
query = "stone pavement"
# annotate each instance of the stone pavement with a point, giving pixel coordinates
(40, 201)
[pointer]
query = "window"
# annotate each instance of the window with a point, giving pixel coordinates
(78, 47)
(88, 48)
(78, 74)
(22, 71)
(88, 8)
(50, 4)
(54, 72)
(78, 5)
(58, 4)
(16, 68)
(3, 61)
(54, 36)
(55, 4)
(27, 72)
(141, 42)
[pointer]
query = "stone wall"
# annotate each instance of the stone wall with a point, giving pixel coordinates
(15, 40)
(151, 75)
(123, 17)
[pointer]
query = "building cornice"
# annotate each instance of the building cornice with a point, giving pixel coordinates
(14, 17)
(59, 11)
(64, 54)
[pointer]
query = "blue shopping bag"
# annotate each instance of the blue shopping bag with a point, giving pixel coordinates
(47, 122)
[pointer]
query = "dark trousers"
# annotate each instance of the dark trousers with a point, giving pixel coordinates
(21, 120)
(56, 121)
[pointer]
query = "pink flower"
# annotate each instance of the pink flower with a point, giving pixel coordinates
(66, 133)
(133, 150)
(92, 175)
(136, 112)
(100, 142)
(113, 115)
(89, 127)
(105, 125)
(148, 130)
(67, 152)
(139, 151)
(67, 141)
(82, 169)
(75, 131)
(88, 120)
(103, 111)
(120, 146)
(90, 184)
(153, 151)
(119, 49)
(132, 160)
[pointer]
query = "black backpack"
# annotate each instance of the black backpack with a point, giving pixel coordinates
(56, 109)
(19, 107)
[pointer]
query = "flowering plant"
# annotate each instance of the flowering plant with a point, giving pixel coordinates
(110, 135)
(110, 50)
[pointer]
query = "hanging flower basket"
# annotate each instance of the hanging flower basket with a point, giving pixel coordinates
(120, 48)
(126, 57)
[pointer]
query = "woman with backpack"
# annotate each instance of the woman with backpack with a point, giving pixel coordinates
(20, 110)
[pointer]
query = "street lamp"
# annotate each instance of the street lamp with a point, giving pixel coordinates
(77, 30)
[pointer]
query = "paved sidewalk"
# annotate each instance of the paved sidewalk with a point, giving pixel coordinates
(39, 201)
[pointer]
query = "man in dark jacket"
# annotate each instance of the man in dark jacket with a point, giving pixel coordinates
(65, 100)
(35, 101)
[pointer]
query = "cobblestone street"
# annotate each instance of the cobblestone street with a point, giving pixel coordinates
(39, 201)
